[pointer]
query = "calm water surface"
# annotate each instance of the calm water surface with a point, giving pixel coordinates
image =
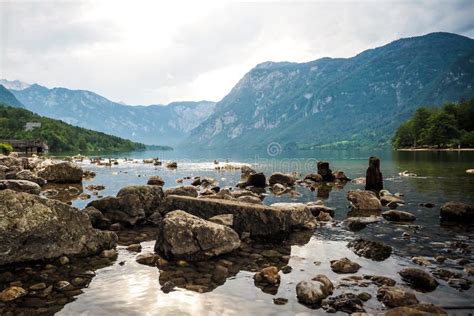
(134, 289)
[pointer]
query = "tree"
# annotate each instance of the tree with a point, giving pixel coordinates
(404, 137)
(441, 129)
(420, 123)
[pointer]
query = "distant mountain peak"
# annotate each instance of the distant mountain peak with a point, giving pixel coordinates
(14, 84)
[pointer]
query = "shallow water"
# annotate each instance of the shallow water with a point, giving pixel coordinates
(134, 289)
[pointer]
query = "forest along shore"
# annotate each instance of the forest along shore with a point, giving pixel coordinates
(204, 234)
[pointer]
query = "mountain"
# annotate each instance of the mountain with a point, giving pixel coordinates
(154, 124)
(6, 97)
(341, 101)
(58, 135)
(14, 85)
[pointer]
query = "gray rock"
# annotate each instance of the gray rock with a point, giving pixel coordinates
(20, 186)
(300, 215)
(422, 309)
(256, 180)
(364, 200)
(185, 190)
(398, 216)
(35, 228)
(224, 219)
(60, 172)
(156, 180)
(419, 279)
(314, 291)
(344, 265)
(132, 205)
(313, 177)
(370, 249)
(394, 296)
(29, 176)
(346, 302)
(457, 212)
(185, 236)
(98, 220)
(287, 180)
(260, 221)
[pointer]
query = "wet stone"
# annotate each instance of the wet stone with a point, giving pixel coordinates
(280, 301)
(347, 303)
(344, 265)
(419, 279)
(370, 249)
(168, 287)
(394, 297)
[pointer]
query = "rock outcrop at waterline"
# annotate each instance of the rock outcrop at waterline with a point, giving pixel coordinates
(133, 204)
(35, 228)
(259, 221)
(184, 236)
(457, 212)
(60, 172)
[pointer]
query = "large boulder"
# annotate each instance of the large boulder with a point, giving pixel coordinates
(185, 236)
(256, 180)
(282, 178)
(11, 164)
(60, 172)
(20, 186)
(300, 215)
(29, 176)
(133, 204)
(185, 190)
(364, 200)
(98, 220)
(35, 228)
(457, 212)
(260, 221)
(373, 176)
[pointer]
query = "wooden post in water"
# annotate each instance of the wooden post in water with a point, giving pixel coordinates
(373, 177)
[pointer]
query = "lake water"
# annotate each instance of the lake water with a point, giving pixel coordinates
(134, 289)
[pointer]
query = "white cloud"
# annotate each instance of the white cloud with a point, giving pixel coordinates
(145, 52)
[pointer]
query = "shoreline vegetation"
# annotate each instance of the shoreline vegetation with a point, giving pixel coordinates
(434, 149)
(60, 136)
(449, 128)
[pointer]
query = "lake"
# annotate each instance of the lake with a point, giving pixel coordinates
(134, 289)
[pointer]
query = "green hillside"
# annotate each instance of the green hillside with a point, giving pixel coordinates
(58, 135)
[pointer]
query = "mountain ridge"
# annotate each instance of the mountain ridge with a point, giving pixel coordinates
(153, 124)
(332, 101)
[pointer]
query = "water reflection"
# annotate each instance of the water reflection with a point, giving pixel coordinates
(63, 192)
(206, 276)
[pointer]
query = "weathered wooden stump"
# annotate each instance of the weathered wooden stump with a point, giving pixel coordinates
(373, 177)
(325, 172)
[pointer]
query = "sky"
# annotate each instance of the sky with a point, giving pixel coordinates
(155, 52)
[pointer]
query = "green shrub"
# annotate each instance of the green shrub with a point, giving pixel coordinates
(6, 149)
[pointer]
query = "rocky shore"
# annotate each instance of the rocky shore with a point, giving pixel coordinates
(204, 234)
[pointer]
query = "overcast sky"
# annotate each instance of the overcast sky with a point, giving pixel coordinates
(149, 52)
